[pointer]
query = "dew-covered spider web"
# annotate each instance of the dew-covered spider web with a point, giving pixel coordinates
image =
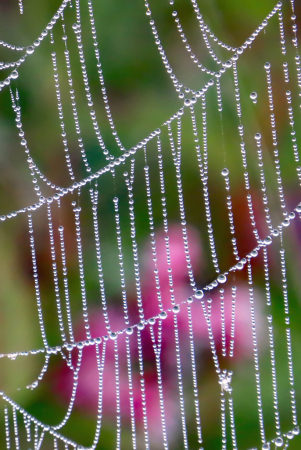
(165, 277)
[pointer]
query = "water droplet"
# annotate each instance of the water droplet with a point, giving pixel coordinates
(222, 278)
(190, 300)
(14, 75)
(199, 295)
(290, 435)
(187, 102)
(267, 66)
(266, 446)
(279, 442)
(176, 309)
(296, 430)
(253, 97)
(113, 335)
(257, 136)
(225, 172)
(268, 240)
(129, 331)
(30, 50)
(163, 315)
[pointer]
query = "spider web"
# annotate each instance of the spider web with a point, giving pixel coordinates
(155, 166)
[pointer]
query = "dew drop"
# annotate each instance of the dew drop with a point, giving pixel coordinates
(222, 278)
(279, 442)
(14, 75)
(225, 172)
(266, 447)
(257, 136)
(163, 315)
(253, 97)
(268, 240)
(129, 331)
(113, 335)
(30, 50)
(199, 295)
(267, 66)
(176, 309)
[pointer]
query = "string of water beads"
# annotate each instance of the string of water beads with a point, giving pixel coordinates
(267, 67)
(42, 373)
(131, 392)
(61, 116)
(21, 6)
(36, 281)
(101, 77)
(65, 281)
(77, 30)
(61, 191)
(256, 354)
(223, 327)
(15, 425)
(129, 178)
(152, 233)
(203, 167)
(194, 376)
(77, 210)
(142, 388)
(232, 332)
(263, 182)
(204, 27)
(225, 174)
(17, 109)
(55, 275)
(165, 221)
(6, 425)
(176, 153)
(121, 261)
(243, 154)
(295, 43)
(288, 331)
(10, 47)
(31, 48)
(176, 310)
(37, 423)
(157, 351)
(187, 46)
(73, 103)
(27, 427)
(73, 393)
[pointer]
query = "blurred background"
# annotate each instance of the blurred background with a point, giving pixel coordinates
(142, 97)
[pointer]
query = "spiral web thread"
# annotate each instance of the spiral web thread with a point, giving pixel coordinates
(270, 245)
